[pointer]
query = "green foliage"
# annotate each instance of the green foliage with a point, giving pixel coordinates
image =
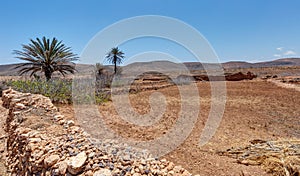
(115, 57)
(43, 55)
(58, 90)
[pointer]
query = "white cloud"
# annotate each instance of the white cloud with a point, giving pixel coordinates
(279, 48)
(284, 52)
(289, 53)
(277, 55)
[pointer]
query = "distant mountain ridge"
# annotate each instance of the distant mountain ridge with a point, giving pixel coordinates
(274, 63)
(8, 70)
(243, 64)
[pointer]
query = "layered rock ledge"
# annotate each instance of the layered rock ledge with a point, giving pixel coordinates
(41, 141)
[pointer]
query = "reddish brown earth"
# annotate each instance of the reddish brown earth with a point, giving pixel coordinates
(3, 113)
(254, 110)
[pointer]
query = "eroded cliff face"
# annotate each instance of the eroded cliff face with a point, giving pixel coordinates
(42, 142)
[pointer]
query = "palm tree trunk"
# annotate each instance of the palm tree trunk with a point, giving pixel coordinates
(48, 74)
(115, 62)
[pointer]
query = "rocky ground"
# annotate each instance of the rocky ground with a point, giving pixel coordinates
(3, 115)
(255, 110)
(41, 141)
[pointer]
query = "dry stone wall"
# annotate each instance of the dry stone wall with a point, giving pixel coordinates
(42, 142)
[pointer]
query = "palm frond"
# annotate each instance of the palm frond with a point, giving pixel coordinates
(46, 56)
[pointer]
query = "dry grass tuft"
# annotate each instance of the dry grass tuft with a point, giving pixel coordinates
(284, 166)
(280, 158)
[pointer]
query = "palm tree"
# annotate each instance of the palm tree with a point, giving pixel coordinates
(45, 56)
(115, 56)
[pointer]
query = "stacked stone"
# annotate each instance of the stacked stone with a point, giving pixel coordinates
(68, 149)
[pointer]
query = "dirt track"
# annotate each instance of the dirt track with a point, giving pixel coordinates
(254, 110)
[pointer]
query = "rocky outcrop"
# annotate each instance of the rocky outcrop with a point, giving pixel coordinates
(240, 76)
(228, 77)
(42, 142)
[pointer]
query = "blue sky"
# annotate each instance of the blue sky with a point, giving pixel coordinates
(246, 30)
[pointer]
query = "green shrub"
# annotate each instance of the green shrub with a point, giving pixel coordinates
(58, 90)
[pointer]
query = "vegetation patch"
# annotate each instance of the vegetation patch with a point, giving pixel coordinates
(58, 90)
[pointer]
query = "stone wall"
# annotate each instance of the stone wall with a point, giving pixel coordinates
(42, 142)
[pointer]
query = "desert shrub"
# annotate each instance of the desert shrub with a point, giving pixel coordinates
(86, 91)
(104, 76)
(58, 90)
(103, 81)
(119, 71)
(102, 97)
(184, 80)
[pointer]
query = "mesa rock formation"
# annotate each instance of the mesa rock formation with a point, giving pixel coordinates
(41, 141)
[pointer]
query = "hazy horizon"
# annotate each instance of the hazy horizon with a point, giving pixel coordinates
(157, 60)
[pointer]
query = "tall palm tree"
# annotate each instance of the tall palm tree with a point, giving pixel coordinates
(45, 56)
(115, 56)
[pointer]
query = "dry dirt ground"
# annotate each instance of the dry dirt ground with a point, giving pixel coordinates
(254, 110)
(3, 113)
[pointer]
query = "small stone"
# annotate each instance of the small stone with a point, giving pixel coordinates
(61, 122)
(58, 117)
(105, 157)
(186, 173)
(136, 174)
(170, 166)
(88, 167)
(70, 123)
(111, 167)
(62, 167)
(101, 165)
(76, 163)
(48, 173)
(177, 169)
(20, 106)
(171, 173)
(143, 162)
(126, 158)
(92, 154)
(103, 172)
(147, 171)
(51, 160)
(163, 160)
(89, 173)
(35, 140)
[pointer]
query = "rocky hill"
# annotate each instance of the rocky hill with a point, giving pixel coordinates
(274, 63)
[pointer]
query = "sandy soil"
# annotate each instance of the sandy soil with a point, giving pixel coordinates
(254, 110)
